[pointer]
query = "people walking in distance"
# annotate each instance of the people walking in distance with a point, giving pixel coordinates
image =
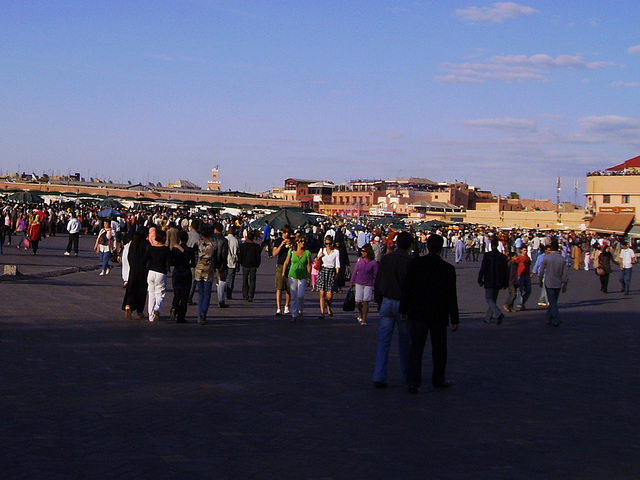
(363, 280)
(156, 258)
(220, 263)
(524, 277)
(182, 259)
(430, 302)
(493, 276)
(604, 268)
(459, 249)
(330, 267)
(281, 248)
(627, 259)
(136, 281)
(35, 233)
(232, 260)
(73, 227)
(249, 258)
(205, 272)
(554, 272)
(543, 250)
(513, 283)
(266, 237)
(105, 243)
(194, 238)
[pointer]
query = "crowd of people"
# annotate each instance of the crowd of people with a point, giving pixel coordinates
(404, 272)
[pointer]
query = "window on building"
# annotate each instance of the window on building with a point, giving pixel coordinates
(606, 199)
(626, 198)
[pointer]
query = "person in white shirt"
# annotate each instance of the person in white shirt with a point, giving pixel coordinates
(73, 227)
(232, 260)
(627, 259)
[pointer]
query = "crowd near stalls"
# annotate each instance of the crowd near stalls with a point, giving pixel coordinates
(28, 220)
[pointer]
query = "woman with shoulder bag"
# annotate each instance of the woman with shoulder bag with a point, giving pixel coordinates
(103, 246)
(330, 260)
(363, 279)
(603, 268)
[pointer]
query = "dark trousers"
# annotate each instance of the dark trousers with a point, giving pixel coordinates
(231, 280)
(419, 332)
(180, 302)
(73, 242)
(249, 282)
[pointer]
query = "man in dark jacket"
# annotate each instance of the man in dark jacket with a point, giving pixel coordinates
(220, 262)
(493, 276)
(429, 301)
(249, 258)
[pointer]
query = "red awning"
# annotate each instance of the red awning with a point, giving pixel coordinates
(615, 223)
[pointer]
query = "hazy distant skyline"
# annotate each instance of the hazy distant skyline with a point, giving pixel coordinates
(506, 96)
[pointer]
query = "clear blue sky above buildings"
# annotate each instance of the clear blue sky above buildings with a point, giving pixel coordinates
(505, 96)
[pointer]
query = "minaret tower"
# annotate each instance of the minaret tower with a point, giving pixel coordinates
(214, 183)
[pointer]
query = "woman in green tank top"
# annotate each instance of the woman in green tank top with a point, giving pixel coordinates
(298, 266)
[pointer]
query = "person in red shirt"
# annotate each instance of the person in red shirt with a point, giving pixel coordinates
(524, 276)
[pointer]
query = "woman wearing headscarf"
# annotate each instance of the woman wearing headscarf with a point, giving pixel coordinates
(136, 293)
(604, 261)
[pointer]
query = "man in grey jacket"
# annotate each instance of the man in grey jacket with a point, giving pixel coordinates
(554, 272)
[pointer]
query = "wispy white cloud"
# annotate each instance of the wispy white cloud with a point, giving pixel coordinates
(481, 72)
(510, 124)
(634, 50)
(498, 13)
(514, 67)
(625, 84)
(610, 123)
(547, 61)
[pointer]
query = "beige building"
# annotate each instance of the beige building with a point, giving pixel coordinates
(613, 198)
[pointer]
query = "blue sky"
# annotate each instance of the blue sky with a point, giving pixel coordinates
(506, 96)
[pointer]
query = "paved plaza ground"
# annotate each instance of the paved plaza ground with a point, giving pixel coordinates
(86, 394)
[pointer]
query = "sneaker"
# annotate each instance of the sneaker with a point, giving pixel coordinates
(278, 312)
(286, 310)
(66, 254)
(101, 272)
(107, 271)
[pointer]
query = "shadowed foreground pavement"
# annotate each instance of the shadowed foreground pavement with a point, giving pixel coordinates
(86, 394)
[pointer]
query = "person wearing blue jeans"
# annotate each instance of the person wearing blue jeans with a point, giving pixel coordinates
(205, 272)
(389, 280)
(389, 318)
(204, 298)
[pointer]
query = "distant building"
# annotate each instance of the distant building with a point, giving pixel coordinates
(184, 184)
(613, 198)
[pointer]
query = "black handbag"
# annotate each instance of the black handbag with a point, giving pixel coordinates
(349, 304)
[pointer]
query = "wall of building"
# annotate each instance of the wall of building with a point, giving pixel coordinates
(528, 219)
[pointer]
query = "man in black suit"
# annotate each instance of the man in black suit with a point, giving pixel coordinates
(493, 276)
(429, 301)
